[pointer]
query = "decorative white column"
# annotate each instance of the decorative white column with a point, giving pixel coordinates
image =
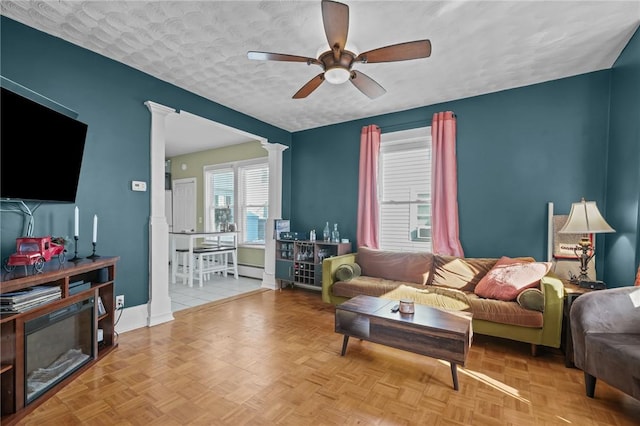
(275, 212)
(159, 306)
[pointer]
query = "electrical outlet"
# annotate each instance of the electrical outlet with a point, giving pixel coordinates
(120, 301)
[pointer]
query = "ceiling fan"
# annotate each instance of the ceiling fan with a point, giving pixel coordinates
(337, 62)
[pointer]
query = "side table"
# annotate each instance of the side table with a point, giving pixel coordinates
(571, 293)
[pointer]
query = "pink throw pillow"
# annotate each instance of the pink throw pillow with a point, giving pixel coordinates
(509, 277)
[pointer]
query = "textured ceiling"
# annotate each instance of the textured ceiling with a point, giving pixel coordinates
(478, 47)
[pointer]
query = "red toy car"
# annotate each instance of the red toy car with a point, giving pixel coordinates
(35, 251)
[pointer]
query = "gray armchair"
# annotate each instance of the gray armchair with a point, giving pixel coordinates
(605, 327)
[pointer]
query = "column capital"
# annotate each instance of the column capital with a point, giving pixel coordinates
(156, 108)
(273, 147)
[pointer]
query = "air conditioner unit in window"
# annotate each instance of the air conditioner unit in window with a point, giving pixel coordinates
(424, 232)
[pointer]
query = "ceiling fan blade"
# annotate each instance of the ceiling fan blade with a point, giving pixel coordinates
(266, 56)
(397, 52)
(309, 87)
(335, 17)
(367, 85)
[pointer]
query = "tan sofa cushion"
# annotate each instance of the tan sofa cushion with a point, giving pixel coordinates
(399, 266)
(371, 286)
(459, 273)
(504, 312)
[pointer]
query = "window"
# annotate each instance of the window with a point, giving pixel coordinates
(404, 190)
(221, 201)
(238, 193)
(254, 202)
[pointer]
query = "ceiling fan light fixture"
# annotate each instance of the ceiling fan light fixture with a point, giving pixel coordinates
(337, 75)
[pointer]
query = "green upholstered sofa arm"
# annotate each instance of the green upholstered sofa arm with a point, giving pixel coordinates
(329, 266)
(553, 290)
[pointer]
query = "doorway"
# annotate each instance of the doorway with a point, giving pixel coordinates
(166, 122)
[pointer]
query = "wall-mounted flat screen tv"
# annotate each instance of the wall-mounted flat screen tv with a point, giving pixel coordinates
(40, 151)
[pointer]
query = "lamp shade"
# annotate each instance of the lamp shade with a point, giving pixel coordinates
(585, 218)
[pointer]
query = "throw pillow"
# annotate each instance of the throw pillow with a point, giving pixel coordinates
(532, 299)
(509, 277)
(348, 271)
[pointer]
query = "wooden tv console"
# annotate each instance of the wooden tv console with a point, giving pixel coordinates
(98, 275)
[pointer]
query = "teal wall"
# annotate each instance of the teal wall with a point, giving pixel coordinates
(109, 97)
(623, 185)
(517, 150)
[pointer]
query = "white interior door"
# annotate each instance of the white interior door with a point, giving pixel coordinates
(184, 205)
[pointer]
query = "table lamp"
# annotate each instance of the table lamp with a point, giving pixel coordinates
(585, 219)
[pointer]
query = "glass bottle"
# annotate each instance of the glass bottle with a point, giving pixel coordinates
(326, 235)
(335, 235)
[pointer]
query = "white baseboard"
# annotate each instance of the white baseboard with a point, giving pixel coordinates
(132, 318)
(250, 271)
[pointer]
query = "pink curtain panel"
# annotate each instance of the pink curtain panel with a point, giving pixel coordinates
(444, 186)
(368, 210)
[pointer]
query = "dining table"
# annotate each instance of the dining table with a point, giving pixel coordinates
(187, 240)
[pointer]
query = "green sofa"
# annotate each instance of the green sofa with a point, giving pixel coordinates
(447, 282)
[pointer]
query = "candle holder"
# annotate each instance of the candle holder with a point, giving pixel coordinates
(75, 257)
(93, 252)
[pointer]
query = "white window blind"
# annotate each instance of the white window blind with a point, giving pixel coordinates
(220, 197)
(404, 190)
(254, 204)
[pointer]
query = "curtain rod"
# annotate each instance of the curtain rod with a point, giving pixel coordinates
(410, 124)
(406, 125)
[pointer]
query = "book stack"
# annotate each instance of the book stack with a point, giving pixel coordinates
(28, 298)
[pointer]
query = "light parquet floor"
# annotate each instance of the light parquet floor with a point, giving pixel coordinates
(273, 358)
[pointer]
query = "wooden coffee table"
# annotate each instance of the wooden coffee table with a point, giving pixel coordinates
(436, 333)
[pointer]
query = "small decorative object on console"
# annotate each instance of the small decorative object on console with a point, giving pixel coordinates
(335, 235)
(593, 285)
(282, 228)
(34, 251)
(326, 233)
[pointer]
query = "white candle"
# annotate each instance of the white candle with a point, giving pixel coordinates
(77, 217)
(95, 228)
